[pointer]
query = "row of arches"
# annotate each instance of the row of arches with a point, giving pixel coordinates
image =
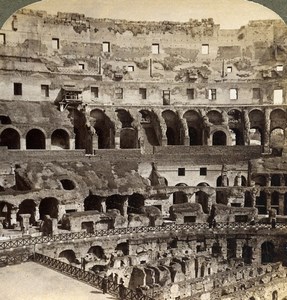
(270, 180)
(35, 139)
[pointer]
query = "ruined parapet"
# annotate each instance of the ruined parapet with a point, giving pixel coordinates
(187, 213)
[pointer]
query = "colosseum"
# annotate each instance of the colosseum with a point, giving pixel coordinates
(150, 153)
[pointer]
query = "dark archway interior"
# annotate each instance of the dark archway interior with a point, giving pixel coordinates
(10, 138)
(27, 207)
(60, 140)
(219, 138)
(48, 206)
(35, 139)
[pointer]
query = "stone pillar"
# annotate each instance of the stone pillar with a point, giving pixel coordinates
(13, 218)
(72, 144)
(25, 224)
(125, 207)
(186, 140)
(95, 141)
(246, 128)
(267, 130)
(239, 248)
(104, 205)
(22, 144)
(268, 200)
(48, 144)
(117, 138)
(37, 214)
(223, 245)
(209, 244)
(1, 224)
(281, 204)
(54, 226)
(162, 127)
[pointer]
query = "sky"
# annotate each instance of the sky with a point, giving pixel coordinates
(228, 13)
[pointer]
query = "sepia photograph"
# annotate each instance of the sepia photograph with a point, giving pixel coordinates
(143, 148)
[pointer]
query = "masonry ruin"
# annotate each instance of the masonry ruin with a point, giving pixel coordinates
(169, 136)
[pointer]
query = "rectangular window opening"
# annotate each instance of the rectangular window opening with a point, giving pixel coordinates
(211, 94)
(256, 93)
(190, 94)
(55, 43)
(2, 38)
(233, 93)
(166, 97)
(82, 66)
(279, 68)
(119, 93)
(229, 69)
(278, 96)
(45, 90)
(17, 89)
(131, 68)
(203, 171)
(181, 171)
(204, 49)
(142, 92)
(106, 47)
(95, 92)
(155, 48)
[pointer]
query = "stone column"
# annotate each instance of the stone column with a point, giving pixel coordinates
(95, 141)
(268, 200)
(104, 205)
(267, 130)
(48, 144)
(54, 226)
(125, 207)
(239, 248)
(184, 133)
(37, 214)
(246, 128)
(22, 144)
(25, 224)
(162, 127)
(223, 245)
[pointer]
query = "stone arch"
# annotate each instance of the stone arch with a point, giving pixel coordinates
(173, 125)
(10, 138)
(5, 120)
(97, 252)
(116, 202)
(219, 138)
(122, 249)
(35, 139)
(135, 202)
(277, 138)
(151, 127)
(5, 211)
(222, 181)
(179, 197)
(27, 206)
(60, 140)
(68, 256)
(49, 206)
(257, 124)
(278, 119)
(93, 202)
(68, 184)
(267, 252)
(215, 117)
(202, 198)
(104, 128)
(194, 123)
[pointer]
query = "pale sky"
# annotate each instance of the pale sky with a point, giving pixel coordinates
(227, 13)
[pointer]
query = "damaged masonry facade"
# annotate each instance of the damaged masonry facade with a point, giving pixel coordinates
(172, 132)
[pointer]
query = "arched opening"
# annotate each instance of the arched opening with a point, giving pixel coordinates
(5, 212)
(173, 126)
(122, 249)
(275, 201)
(116, 202)
(68, 256)
(60, 140)
(49, 206)
(10, 138)
(222, 181)
(247, 253)
(5, 120)
(104, 128)
(97, 252)
(219, 138)
(128, 138)
(267, 252)
(277, 138)
(135, 202)
(256, 138)
(35, 139)
(275, 295)
(261, 203)
(27, 207)
(260, 180)
(151, 129)
(179, 197)
(235, 123)
(194, 123)
(67, 184)
(203, 199)
(278, 119)
(93, 203)
(275, 180)
(215, 117)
